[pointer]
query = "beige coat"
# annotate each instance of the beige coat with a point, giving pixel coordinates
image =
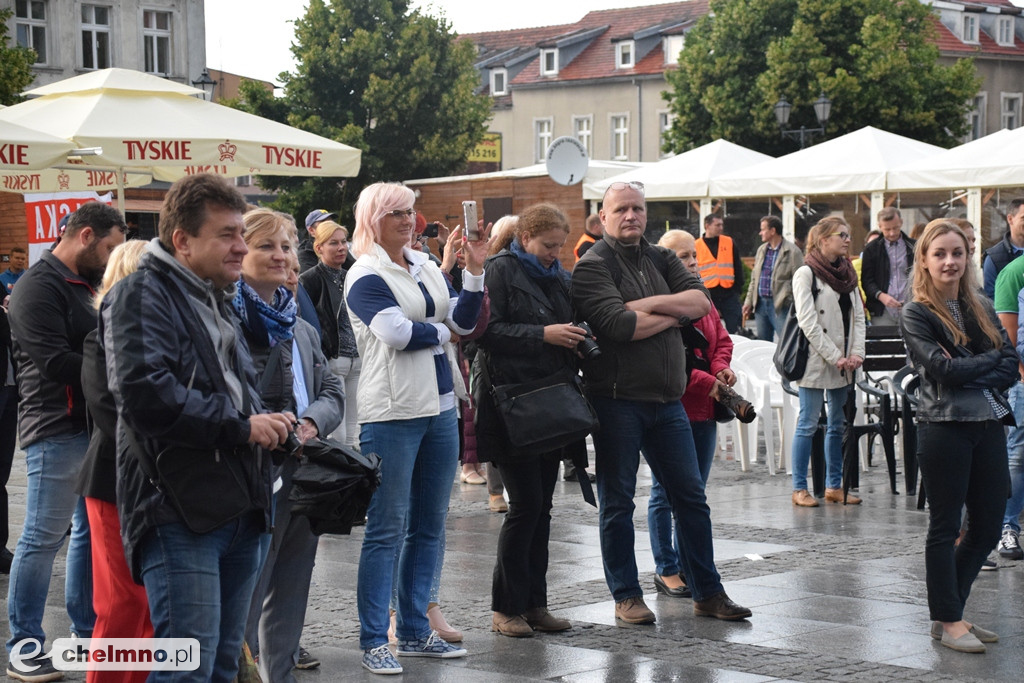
(822, 322)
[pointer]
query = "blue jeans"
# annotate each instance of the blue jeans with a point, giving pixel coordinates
(807, 423)
(200, 586)
(663, 432)
(664, 536)
(1015, 451)
(764, 317)
(51, 504)
(418, 461)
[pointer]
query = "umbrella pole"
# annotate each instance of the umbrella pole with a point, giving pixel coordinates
(120, 189)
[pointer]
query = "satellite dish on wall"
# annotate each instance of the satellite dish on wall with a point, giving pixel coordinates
(567, 161)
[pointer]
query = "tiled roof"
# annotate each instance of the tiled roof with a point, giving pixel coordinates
(598, 59)
(949, 43)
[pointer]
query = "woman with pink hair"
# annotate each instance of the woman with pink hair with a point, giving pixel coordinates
(405, 316)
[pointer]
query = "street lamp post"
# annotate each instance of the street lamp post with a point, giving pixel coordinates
(822, 110)
(207, 84)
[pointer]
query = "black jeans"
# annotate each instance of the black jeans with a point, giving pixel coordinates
(8, 435)
(520, 573)
(961, 463)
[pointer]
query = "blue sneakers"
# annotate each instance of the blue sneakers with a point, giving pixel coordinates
(379, 660)
(431, 646)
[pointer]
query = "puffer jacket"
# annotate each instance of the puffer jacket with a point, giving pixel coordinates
(171, 390)
(952, 377)
(698, 405)
(822, 321)
(513, 349)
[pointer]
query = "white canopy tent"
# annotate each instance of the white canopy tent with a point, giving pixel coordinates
(686, 175)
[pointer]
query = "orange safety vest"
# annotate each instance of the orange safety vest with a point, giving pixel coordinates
(716, 272)
(587, 237)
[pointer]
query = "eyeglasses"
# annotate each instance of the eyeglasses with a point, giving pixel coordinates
(631, 185)
(399, 213)
(841, 235)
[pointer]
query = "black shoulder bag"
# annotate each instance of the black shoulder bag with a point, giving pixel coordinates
(791, 353)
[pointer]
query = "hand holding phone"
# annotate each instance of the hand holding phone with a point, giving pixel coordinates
(469, 220)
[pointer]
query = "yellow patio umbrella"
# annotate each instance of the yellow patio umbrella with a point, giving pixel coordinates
(24, 148)
(145, 124)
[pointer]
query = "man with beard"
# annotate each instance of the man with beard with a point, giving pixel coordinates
(50, 315)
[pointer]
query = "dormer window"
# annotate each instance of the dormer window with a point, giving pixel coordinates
(625, 56)
(499, 82)
(1004, 31)
(970, 28)
(673, 46)
(549, 62)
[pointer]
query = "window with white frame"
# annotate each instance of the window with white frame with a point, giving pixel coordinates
(156, 42)
(498, 84)
(30, 26)
(664, 126)
(543, 128)
(620, 137)
(673, 46)
(583, 129)
(976, 117)
(1004, 31)
(95, 37)
(1010, 109)
(970, 28)
(624, 55)
(549, 62)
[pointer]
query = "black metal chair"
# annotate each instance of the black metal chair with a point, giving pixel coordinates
(906, 383)
(884, 353)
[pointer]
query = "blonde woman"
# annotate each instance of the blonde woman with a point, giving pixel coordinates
(965, 361)
(834, 324)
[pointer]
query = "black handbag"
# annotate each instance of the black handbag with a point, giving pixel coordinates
(545, 414)
(793, 348)
(332, 485)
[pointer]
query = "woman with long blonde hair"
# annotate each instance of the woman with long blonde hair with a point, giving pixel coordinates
(965, 361)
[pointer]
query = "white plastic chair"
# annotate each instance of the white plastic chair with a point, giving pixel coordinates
(756, 388)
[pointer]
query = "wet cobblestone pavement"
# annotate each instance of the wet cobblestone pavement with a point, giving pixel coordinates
(837, 592)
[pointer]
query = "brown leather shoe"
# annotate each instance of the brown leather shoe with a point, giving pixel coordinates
(542, 620)
(803, 499)
(720, 606)
(634, 611)
(497, 503)
(836, 496)
(512, 625)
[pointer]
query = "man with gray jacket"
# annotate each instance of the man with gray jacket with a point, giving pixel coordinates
(770, 294)
(635, 296)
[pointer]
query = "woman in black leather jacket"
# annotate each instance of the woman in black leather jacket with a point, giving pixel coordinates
(529, 337)
(966, 362)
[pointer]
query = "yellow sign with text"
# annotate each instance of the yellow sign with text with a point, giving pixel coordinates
(487, 150)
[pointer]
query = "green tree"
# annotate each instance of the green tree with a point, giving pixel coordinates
(875, 59)
(395, 83)
(15, 65)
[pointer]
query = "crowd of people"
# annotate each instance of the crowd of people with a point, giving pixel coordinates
(164, 390)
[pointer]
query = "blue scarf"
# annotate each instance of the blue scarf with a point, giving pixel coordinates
(534, 268)
(276, 320)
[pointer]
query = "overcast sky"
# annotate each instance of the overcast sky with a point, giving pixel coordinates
(253, 37)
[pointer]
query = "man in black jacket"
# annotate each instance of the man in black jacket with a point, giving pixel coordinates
(182, 380)
(885, 269)
(1007, 249)
(634, 297)
(50, 315)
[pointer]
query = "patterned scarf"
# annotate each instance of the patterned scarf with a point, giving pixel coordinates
(276, 320)
(839, 275)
